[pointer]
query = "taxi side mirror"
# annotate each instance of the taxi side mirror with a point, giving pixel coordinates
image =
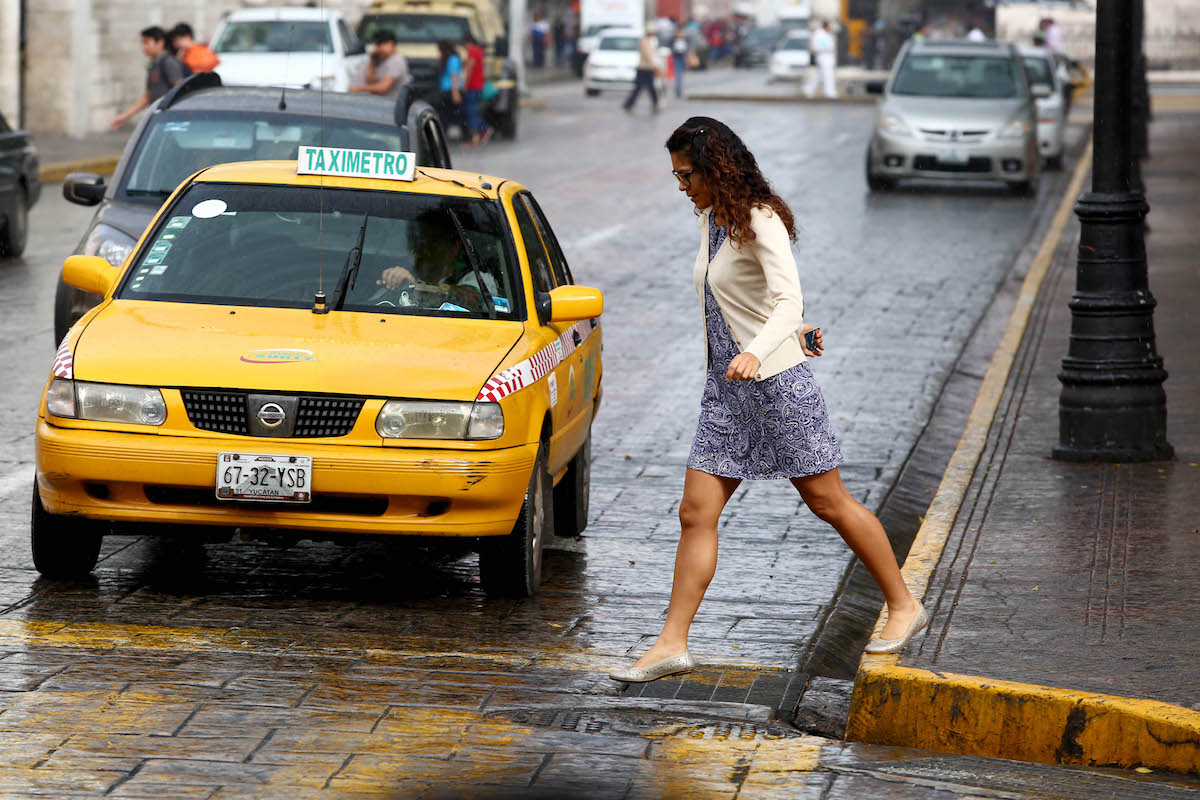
(90, 274)
(573, 303)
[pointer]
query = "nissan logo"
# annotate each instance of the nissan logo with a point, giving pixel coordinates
(270, 415)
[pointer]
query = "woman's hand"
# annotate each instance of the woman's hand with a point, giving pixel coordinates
(395, 277)
(818, 343)
(743, 367)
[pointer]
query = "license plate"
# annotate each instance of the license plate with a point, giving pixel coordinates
(264, 478)
(954, 157)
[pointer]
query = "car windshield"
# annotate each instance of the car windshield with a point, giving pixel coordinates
(982, 77)
(275, 36)
(1038, 70)
(176, 144)
(594, 30)
(276, 246)
(794, 44)
(622, 43)
(417, 28)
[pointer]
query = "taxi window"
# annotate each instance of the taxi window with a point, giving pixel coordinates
(562, 273)
(539, 263)
(179, 143)
(245, 244)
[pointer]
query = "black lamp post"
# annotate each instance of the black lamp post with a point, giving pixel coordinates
(1113, 407)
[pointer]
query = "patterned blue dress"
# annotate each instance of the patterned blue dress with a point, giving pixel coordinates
(757, 430)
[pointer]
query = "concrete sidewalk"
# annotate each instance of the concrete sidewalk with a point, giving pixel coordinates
(1065, 597)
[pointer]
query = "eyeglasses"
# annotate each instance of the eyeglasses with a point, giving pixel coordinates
(684, 177)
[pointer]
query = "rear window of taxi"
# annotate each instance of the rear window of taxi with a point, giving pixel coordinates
(276, 246)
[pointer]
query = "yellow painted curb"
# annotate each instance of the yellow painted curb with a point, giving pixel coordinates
(911, 707)
(104, 165)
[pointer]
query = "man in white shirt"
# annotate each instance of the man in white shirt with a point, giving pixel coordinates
(825, 56)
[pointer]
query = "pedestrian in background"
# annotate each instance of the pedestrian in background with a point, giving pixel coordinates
(539, 32)
(679, 57)
(558, 32)
(163, 72)
(450, 69)
(385, 72)
(473, 80)
(762, 415)
(195, 56)
(647, 70)
(825, 57)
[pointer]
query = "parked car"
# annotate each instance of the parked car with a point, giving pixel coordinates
(200, 123)
(613, 64)
(957, 110)
(304, 48)
(20, 187)
(755, 47)
(791, 60)
(1052, 108)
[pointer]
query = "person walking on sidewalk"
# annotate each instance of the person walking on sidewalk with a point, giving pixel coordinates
(163, 72)
(679, 56)
(825, 57)
(195, 56)
(450, 84)
(647, 70)
(473, 79)
(762, 415)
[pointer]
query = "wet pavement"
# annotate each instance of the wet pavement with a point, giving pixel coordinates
(366, 668)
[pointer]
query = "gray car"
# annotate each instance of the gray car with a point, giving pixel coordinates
(956, 110)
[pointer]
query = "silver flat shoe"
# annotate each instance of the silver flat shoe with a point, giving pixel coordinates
(672, 665)
(876, 646)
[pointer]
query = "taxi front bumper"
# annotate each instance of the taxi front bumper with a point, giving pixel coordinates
(129, 477)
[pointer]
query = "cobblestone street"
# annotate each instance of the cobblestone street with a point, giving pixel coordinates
(242, 669)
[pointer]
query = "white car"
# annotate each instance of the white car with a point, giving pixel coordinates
(612, 66)
(791, 59)
(303, 48)
(587, 42)
(1043, 70)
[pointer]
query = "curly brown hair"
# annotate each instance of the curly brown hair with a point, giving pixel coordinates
(728, 166)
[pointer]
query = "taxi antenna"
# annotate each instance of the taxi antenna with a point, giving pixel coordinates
(286, 61)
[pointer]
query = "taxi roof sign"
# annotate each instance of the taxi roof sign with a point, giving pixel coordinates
(346, 163)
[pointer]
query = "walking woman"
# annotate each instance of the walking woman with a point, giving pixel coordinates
(762, 416)
(450, 97)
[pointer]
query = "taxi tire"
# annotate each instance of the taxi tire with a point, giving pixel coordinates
(511, 565)
(63, 547)
(573, 492)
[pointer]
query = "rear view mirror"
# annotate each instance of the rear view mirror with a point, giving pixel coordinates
(1041, 91)
(83, 188)
(874, 87)
(573, 303)
(90, 274)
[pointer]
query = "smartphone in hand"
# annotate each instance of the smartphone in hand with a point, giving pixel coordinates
(810, 340)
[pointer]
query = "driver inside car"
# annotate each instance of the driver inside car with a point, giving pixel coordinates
(441, 275)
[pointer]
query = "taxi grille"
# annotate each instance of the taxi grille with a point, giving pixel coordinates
(228, 412)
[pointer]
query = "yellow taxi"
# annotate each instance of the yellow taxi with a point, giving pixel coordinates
(344, 343)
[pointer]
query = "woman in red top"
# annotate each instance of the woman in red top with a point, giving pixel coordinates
(473, 74)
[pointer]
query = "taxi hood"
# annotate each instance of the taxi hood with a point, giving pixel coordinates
(161, 344)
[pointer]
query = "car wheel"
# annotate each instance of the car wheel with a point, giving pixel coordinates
(592, 92)
(16, 226)
(878, 183)
(63, 547)
(69, 305)
(511, 565)
(573, 492)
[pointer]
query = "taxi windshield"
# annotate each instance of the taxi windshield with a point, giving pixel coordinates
(179, 143)
(418, 28)
(276, 246)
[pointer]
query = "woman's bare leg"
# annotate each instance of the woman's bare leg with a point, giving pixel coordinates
(704, 497)
(860, 529)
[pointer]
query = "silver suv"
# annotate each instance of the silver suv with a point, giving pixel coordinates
(955, 110)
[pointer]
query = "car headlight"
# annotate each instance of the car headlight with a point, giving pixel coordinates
(438, 419)
(108, 243)
(893, 124)
(1017, 129)
(106, 402)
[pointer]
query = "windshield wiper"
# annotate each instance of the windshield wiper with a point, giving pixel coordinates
(349, 269)
(474, 259)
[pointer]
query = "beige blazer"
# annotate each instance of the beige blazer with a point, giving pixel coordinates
(758, 290)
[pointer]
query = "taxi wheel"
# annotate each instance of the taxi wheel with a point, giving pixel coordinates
(572, 493)
(63, 547)
(512, 565)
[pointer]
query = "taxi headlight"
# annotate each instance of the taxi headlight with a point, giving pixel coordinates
(108, 243)
(105, 402)
(437, 419)
(1016, 129)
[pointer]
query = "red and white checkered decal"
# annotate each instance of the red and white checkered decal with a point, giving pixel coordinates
(63, 365)
(537, 366)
